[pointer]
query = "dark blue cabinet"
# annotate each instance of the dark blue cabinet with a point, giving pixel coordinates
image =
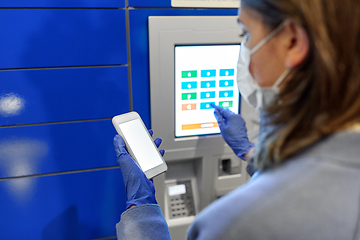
(37, 38)
(68, 94)
(64, 3)
(75, 206)
(56, 148)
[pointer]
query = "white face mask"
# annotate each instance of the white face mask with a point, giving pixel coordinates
(255, 95)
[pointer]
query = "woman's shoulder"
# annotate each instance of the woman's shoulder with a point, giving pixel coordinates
(233, 210)
(306, 191)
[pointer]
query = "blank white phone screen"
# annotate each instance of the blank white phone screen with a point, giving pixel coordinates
(141, 145)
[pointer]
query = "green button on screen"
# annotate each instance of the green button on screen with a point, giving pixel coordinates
(226, 104)
(188, 96)
(189, 74)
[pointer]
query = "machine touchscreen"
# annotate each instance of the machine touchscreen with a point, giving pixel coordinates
(204, 74)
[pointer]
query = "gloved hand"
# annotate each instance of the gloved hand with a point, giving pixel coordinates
(233, 130)
(139, 189)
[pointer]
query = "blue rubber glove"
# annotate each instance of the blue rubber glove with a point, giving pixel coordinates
(139, 189)
(233, 130)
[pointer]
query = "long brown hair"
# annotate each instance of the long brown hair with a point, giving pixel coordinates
(323, 94)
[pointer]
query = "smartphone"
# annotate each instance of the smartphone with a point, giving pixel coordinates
(139, 143)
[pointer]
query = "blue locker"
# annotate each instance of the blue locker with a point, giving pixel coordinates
(53, 148)
(53, 95)
(62, 37)
(64, 3)
(140, 50)
(76, 206)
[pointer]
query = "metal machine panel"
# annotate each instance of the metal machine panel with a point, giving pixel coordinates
(62, 37)
(53, 95)
(75, 206)
(52, 148)
(63, 3)
(140, 50)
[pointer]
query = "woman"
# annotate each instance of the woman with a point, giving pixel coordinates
(305, 61)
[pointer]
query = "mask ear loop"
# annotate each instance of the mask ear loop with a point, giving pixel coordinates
(267, 38)
(281, 78)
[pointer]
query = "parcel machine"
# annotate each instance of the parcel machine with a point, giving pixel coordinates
(193, 64)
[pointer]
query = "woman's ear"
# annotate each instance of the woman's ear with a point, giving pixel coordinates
(297, 44)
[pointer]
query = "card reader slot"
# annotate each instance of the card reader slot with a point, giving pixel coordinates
(181, 205)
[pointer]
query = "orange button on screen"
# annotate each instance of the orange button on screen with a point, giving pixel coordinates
(190, 106)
